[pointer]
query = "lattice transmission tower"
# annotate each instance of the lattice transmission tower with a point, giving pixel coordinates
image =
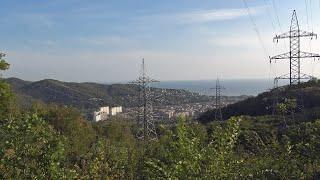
(218, 103)
(295, 54)
(146, 127)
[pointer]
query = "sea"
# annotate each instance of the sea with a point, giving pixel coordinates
(231, 87)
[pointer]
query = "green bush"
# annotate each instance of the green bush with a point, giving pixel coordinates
(32, 149)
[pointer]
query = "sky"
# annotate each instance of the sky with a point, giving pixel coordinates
(105, 40)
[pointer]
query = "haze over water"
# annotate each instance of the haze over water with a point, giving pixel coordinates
(233, 87)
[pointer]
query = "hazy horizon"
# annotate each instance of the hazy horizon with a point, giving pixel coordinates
(161, 80)
(97, 41)
(233, 87)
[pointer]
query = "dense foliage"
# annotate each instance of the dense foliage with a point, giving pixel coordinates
(5, 93)
(308, 93)
(56, 142)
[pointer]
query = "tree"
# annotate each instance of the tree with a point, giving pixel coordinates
(70, 123)
(183, 156)
(32, 149)
(288, 106)
(106, 161)
(6, 97)
(3, 64)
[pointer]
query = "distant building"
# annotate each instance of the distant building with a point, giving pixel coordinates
(102, 114)
(105, 112)
(184, 114)
(168, 114)
(115, 110)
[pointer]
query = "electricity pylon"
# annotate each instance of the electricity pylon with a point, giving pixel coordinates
(294, 55)
(146, 126)
(218, 103)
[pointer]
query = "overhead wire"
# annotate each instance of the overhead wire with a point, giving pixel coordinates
(306, 4)
(310, 45)
(276, 13)
(256, 29)
(311, 15)
(315, 63)
(271, 19)
(278, 21)
(269, 15)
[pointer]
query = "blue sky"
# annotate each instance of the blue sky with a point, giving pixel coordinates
(104, 41)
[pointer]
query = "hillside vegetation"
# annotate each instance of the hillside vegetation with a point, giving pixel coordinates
(93, 95)
(307, 94)
(57, 142)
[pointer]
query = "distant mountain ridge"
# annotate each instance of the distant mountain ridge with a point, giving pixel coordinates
(92, 95)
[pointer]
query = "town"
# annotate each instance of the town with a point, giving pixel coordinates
(165, 112)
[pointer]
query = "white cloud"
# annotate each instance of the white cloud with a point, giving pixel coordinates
(124, 66)
(203, 16)
(235, 41)
(238, 39)
(106, 40)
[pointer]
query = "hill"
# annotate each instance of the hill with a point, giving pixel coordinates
(92, 95)
(307, 94)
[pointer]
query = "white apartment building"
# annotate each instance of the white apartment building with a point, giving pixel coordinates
(102, 114)
(105, 112)
(115, 110)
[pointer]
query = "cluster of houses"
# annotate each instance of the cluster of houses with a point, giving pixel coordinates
(163, 112)
(106, 112)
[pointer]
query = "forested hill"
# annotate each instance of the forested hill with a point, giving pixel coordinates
(93, 95)
(308, 93)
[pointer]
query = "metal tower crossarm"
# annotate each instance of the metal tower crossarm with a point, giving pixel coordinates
(298, 55)
(295, 54)
(293, 34)
(144, 80)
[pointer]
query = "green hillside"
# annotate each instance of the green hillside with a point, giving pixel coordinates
(93, 95)
(307, 94)
(57, 142)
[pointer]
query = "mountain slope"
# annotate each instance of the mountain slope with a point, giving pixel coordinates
(307, 95)
(93, 95)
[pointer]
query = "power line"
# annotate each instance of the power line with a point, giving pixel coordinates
(277, 16)
(312, 29)
(309, 21)
(269, 15)
(267, 3)
(278, 20)
(255, 27)
(305, 1)
(311, 15)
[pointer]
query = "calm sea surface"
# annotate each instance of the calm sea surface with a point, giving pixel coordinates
(232, 87)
